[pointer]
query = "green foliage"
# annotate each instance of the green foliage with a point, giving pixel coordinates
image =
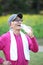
(4, 28)
(1, 10)
(26, 6)
(36, 22)
(38, 30)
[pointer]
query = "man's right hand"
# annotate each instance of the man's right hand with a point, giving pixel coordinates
(6, 63)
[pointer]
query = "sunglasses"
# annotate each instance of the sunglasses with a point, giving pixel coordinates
(18, 20)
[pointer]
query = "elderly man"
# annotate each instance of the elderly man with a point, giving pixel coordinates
(15, 44)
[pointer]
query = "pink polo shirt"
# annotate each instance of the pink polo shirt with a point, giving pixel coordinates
(5, 42)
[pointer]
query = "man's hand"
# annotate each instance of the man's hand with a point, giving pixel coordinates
(28, 30)
(6, 63)
(30, 33)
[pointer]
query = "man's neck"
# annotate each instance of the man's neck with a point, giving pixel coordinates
(17, 32)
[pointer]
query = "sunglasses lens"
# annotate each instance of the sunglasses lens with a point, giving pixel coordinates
(18, 20)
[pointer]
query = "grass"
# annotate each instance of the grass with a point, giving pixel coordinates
(35, 58)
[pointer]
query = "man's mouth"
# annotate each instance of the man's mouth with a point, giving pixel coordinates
(18, 25)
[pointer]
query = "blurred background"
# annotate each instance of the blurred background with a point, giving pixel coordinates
(31, 9)
(25, 6)
(32, 16)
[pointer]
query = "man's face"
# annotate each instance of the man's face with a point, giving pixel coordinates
(16, 24)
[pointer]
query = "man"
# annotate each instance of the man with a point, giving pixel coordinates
(15, 44)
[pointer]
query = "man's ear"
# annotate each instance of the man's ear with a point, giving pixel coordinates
(11, 24)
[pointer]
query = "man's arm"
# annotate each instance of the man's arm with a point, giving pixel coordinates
(33, 45)
(3, 61)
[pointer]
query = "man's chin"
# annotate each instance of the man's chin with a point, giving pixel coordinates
(19, 29)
